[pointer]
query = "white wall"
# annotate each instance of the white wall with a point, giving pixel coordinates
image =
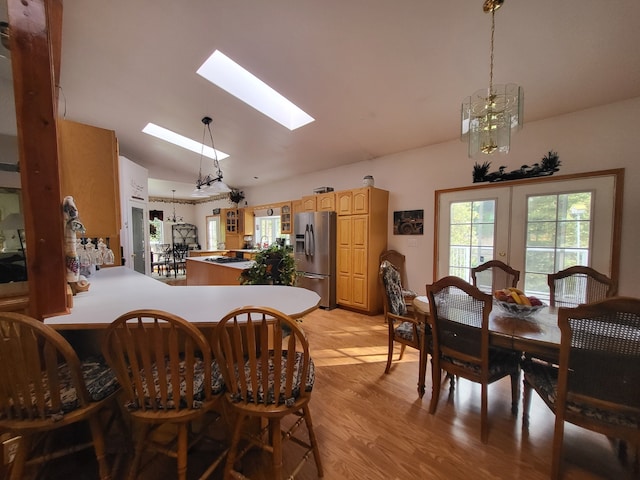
(596, 139)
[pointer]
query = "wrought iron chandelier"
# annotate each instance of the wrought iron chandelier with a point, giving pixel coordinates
(173, 218)
(489, 115)
(211, 184)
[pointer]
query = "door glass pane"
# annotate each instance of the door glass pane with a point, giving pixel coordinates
(471, 236)
(213, 227)
(558, 236)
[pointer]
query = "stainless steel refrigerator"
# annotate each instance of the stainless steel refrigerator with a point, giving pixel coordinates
(315, 254)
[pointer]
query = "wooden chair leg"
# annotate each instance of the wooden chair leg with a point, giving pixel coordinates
(276, 439)
(137, 458)
(402, 349)
(558, 440)
(233, 449)
(182, 451)
(436, 378)
(389, 354)
(312, 440)
(99, 446)
(17, 468)
(526, 401)
(422, 371)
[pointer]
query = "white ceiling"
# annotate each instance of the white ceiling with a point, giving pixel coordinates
(378, 76)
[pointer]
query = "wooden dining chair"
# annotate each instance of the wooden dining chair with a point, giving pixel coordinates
(460, 331)
(398, 260)
(268, 374)
(404, 327)
(596, 384)
(45, 388)
(494, 275)
(577, 285)
(165, 367)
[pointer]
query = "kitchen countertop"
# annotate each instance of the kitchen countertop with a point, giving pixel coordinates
(237, 265)
(117, 290)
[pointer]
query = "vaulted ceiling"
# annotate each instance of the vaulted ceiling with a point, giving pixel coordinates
(378, 76)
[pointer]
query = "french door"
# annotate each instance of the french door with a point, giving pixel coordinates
(536, 228)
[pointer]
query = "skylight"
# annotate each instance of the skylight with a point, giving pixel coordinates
(184, 142)
(228, 75)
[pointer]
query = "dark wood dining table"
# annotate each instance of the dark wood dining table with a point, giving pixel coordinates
(537, 335)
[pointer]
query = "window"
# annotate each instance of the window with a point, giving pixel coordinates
(558, 236)
(267, 230)
(471, 236)
(535, 226)
(213, 232)
(156, 234)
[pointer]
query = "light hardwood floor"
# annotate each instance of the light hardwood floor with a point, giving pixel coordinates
(374, 426)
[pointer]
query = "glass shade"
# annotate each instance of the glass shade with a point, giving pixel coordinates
(489, 116)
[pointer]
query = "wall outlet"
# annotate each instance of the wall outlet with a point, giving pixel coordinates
(9, 449)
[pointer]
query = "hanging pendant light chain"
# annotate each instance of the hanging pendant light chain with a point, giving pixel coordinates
(493, 29)
(215, 153)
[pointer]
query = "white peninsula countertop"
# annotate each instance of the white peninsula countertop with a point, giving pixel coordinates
(117, 290)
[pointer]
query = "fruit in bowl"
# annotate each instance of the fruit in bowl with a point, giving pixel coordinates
(515, 302)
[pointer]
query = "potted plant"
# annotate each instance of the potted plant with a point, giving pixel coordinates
(272, 266)
(236, 196)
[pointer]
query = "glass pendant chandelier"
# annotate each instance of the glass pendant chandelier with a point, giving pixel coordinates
(489, 115)
(211, 184)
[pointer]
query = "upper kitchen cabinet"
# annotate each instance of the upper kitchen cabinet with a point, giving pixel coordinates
(320, 202)
(286, 219)
(88, 159)
(326, 202)
(353, 202)
(238, 223)
(309, 203)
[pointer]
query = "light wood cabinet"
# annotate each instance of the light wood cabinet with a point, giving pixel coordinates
(238, 223)
(286, 218)
(343, 202)
(309, 203)
(361, 238)
(297, 206)
(353, 202)
(320, 202)
(326, 202)
(89, 173)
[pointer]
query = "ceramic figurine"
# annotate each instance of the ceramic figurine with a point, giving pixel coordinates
(72, 225)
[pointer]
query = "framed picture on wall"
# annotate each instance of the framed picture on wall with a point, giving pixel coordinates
(408, 222)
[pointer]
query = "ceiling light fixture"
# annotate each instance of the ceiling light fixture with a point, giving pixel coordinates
(212, 184)
(489, 115)
(175, 219)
